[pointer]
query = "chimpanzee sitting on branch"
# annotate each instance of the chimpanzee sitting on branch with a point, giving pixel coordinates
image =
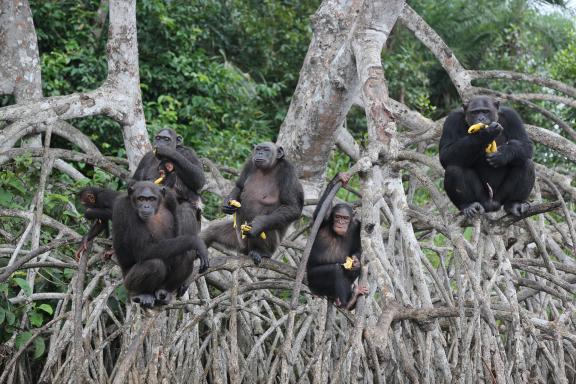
(156, 259)
(334, 261)
(486, 153)
(266, 199)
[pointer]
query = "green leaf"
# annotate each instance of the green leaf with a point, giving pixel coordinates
(46, 308)
(23, 284)
(2, 315)
(10, 317)
(22, 338)
(36, 319)
(39, 347)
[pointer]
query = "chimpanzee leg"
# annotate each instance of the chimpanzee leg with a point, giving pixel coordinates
(178, 270)
(221, 232)
(188, 224)
(516, 188)
(144, 279)
(464, 188)
(343, 287)
(264, 248)
(322, 279)
(187, 219)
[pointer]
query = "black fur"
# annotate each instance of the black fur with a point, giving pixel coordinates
(256, 190)
(98, 204)
(152, 255)
(325, 273)
(475, 181)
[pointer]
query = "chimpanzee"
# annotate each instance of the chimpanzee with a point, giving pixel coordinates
(173, 163)
(479, 179)
(155, 260)
(334, 261)
(98, 203)
(266, 199)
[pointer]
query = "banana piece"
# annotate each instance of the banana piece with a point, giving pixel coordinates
(492, 147)
(349, 263)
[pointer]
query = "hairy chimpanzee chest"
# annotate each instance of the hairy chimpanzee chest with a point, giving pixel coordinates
(161, 225)
(330, 248)
(261, 193)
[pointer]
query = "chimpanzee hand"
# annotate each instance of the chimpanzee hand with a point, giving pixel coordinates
(204, 264)
(344, 177)
(493, 130)
(256, 228)
(498, 158)
(231, 206)
(229, 209)
(163, 152)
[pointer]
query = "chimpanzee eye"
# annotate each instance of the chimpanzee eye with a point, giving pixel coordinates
(141, 199)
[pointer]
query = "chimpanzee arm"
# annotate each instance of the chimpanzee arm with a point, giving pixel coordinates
(519, 147)
(143, 167)
(187, 166)
(323, 197)
(98, 213)
(239, 186)
(123, 234)
(457, 147)
(98, 226)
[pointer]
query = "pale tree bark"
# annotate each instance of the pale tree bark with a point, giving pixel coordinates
(449, 301)
(119, 97)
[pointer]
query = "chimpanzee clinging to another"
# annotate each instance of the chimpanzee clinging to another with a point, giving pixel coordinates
(266, 199)
(334, 261)
(177, 166)
(486, 153)
(98, 204)
(155, 260)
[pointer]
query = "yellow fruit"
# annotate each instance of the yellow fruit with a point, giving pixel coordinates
(234, 203)
(349, 263)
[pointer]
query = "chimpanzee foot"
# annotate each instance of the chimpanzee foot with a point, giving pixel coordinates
(491, 205)
(256, 257)
(163, 297)
(516, 209)
(145, 300)
(181, 291)
(473, 210)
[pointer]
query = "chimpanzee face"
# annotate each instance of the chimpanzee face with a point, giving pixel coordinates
(146, 198)
(341, 218)
(265, 155)
(481, 109)
(167, 138)
(88, 199)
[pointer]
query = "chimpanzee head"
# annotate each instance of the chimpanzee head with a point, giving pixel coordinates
(341, 217)
(146, 198)
(88, 197)
(265, 155)
(481, 109)
(167, 138)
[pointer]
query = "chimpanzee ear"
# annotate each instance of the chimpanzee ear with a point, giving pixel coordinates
(279, 152)
(179, 139)
(497, 105)
(130, 190)
(163, 191)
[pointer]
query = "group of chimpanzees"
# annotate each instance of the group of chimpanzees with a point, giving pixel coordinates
(156, 225)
